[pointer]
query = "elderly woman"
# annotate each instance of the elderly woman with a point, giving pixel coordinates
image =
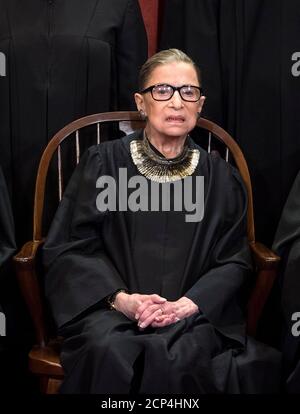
(146, 295)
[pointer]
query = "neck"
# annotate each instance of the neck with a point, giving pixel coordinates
(169, 147)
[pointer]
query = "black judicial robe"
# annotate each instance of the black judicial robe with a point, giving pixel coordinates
(7, 241)
(64, 59)
(287, 245)
(88, 255)
(246, 52)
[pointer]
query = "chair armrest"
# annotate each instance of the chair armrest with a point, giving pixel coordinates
(264, 258)
(25, 266)
(266, 262)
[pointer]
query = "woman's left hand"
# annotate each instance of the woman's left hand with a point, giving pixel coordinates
(181, 308)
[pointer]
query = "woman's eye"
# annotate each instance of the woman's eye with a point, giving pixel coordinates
(163, 91)
(188, 92)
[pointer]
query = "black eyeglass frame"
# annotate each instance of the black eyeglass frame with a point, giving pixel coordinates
(174, 88)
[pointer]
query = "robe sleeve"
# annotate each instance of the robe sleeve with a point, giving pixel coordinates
(287, 245)
(221, 290)
(7, 239)
(79, 274)
(131, 54)
(289, 225)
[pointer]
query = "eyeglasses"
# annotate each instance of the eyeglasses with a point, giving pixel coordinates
(164, 92)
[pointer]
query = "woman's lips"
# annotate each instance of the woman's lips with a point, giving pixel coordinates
(176, 119)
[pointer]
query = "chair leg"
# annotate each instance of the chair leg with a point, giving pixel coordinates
(49, 385)
(53, 386)
(44, 384)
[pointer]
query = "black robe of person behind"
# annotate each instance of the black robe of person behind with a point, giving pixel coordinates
(7, 237)
(7, 249)
(64, 59)
(287, 245)
(88, 255)
(247, 51)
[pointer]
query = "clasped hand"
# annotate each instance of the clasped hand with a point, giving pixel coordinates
(154, 310)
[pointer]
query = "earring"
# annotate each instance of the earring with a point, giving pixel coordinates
(142, 113)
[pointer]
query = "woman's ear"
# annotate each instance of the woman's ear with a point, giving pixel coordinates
(200, 105)
(139, 101)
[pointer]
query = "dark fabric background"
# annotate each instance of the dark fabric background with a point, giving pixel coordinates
(65, 59)
(244, 49)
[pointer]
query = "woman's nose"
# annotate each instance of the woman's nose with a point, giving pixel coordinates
(176, 100)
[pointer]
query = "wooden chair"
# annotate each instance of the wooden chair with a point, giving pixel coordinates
(44, 356)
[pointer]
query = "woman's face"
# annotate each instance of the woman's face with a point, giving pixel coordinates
(174, 118)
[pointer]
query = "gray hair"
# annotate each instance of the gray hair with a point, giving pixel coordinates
(161, 58)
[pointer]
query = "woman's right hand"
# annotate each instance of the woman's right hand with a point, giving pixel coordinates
(136, 305)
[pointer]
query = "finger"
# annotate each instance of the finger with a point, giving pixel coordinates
(168, 308)
(157, 299)
(145, 308)
(161, 324)
(167, 322)
(150, 319)
(165, 316)
(151, 299)
(163, 320)
(149, 311)
(140, 309)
